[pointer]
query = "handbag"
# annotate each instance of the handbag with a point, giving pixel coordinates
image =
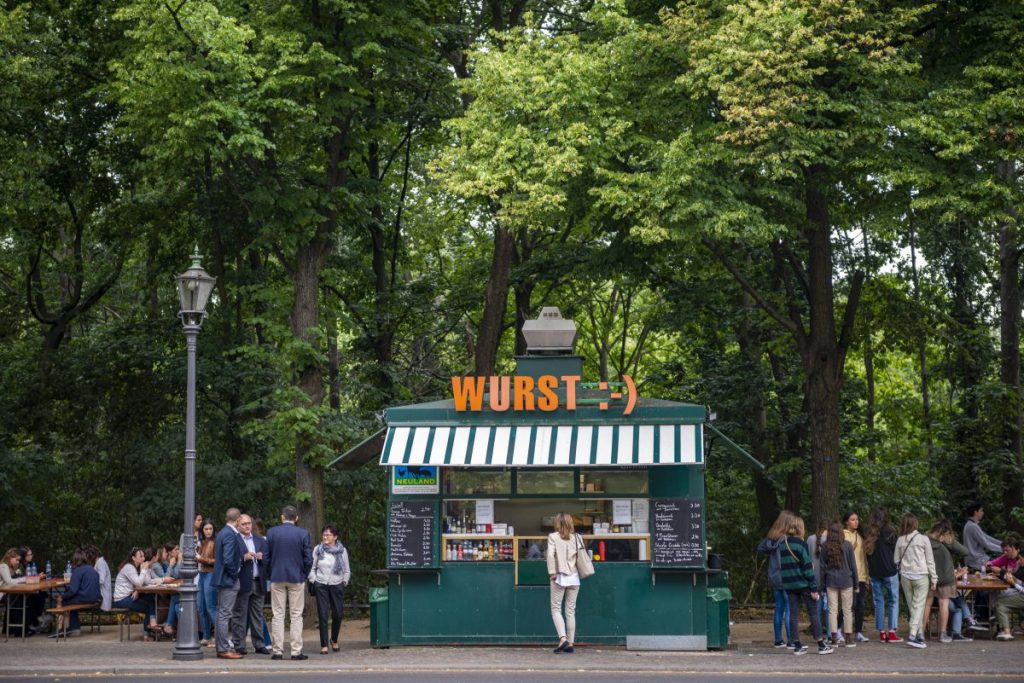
(584, 565)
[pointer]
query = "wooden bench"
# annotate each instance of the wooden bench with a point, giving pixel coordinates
(61, 617)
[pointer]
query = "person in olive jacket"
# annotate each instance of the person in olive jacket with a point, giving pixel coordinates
(944, 546)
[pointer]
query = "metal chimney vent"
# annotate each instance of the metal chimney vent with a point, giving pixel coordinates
(550, 334)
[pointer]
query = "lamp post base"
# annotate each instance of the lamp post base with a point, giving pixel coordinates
(187, 654)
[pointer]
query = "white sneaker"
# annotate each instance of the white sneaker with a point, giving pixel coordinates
(861, 638)
(944, 638)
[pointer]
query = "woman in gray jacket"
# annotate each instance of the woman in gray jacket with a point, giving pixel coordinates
(563, 544)
(837, 574)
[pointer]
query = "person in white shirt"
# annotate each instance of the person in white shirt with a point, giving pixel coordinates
(248, 610)
(563, 545)
(99, 563)
(130, 577)
(329, 575)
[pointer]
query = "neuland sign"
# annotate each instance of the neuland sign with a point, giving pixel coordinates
(521, 393)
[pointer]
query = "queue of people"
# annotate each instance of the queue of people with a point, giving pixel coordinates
(240, 567)
(829, 574)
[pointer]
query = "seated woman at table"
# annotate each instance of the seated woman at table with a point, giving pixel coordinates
(36, 602)
(1010, 599)
(130, 577)
(9, 576)
(84, 589)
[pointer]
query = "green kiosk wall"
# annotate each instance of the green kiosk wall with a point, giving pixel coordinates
(640, 602)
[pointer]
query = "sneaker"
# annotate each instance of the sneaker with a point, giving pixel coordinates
(1004, 636)
(839, 642)
(975, 626)
(916, 641)
(779, 645)
(961, 638)
(894, 637)
(861, 638)
(801, 649)
(790, 646)
(943, 638)
(851, 643)
(824, 648)
(883, 637)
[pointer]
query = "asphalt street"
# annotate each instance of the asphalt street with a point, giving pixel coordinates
(519, 677)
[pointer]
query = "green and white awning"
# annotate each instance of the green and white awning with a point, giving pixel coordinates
(544, 445)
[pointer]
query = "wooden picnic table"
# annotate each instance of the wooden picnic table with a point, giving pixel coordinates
(978, 583)
(24, 590)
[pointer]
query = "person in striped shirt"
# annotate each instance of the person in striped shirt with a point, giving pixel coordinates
(799, 582)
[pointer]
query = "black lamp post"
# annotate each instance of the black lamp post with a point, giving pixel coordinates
(194, 288)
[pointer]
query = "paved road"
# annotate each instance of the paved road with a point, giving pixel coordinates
(519, 677)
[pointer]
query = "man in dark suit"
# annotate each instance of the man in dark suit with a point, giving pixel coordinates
(249, 604)
(226, 568)
(290, 559)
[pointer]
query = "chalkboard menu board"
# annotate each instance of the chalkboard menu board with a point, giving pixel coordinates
(677, 533)
(411, 533)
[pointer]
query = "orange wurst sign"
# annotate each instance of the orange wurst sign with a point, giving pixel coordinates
(521, 393)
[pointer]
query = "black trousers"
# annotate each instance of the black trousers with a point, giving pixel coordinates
(328, 604)
(795, 598)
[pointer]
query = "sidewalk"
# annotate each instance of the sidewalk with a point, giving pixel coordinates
(750, 651)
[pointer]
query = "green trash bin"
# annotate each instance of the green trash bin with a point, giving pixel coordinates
(718, 597)
(379, 616)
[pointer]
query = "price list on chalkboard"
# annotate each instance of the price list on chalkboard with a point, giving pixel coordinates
(677, 538)
(411, 533)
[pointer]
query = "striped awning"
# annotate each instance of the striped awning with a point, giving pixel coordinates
(544, 446)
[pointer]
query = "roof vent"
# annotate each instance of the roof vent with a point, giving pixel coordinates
(550, 334)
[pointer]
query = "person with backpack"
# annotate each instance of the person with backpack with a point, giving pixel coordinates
(916, 565)
(770, 547)
(838, 577)
(800, 585)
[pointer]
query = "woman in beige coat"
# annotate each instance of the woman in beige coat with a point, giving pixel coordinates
(563, 545)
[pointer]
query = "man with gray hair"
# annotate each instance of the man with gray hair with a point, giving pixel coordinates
(226, 567)
(289, 559)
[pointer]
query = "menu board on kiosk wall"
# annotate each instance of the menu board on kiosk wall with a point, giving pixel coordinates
(411, 528)
(677, 533)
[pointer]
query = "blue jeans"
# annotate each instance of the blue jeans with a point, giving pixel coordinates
(781, 616)
(207, 604)
(958, 611)
(879, 588)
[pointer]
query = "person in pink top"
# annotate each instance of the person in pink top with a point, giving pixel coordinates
(1009, 560)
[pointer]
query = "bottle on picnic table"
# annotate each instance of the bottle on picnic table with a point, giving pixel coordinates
(67, 571)
(49, 568)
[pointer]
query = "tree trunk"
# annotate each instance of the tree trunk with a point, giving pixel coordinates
(383, 330)
(922, 357)
(822, 357)
(1009, 355)
(305, 322)
(492, 321)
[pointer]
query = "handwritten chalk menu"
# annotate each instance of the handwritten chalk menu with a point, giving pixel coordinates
(677, 532)
(411, 525)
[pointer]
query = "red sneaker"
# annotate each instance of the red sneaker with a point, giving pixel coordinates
(893, 638)
(883, 637)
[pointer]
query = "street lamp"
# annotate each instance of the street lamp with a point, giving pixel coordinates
(194, 288)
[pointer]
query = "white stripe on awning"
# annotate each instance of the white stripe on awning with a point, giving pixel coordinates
(544, 446)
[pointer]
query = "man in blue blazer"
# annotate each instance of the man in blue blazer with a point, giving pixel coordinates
(226, 568)
(251, 592)
(290, 559)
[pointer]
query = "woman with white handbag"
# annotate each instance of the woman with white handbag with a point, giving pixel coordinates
(568, 562)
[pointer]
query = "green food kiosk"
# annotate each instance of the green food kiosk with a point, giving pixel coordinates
(474, 485)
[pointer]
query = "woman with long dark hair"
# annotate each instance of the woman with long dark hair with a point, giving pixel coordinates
(879, 544)
(130, 577)
(206, 600)
(838, 576)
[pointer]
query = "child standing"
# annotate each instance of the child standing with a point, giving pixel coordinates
(838, 576)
